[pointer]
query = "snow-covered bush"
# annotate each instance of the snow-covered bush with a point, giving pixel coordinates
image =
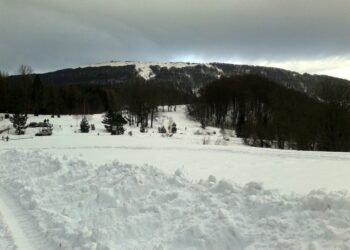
(206, 140)
(162, 130)
(143, 129)
(173, 128)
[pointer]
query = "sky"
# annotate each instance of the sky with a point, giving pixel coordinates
(302, 35)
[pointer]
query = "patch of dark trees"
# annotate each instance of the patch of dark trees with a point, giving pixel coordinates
(28, 95)
(267, 114)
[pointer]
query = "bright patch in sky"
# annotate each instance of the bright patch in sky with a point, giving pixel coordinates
(339, 72)
(332, 66)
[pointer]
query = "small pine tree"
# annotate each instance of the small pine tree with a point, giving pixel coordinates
(143, 128)
(162, 130)
(203, 123)
(173, 128)
(84, 125)
(120, 122)
(114, 122)
(19, 122)
(108, 120)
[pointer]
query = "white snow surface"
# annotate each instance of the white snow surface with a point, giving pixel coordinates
(143, 68)
(198, 189)
(6, 241)
(121, 206)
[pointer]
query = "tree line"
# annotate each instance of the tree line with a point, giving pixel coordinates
(267, 114)
(25, 93)
(262, 112)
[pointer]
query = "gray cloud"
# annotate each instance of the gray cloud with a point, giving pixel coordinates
(50, 34)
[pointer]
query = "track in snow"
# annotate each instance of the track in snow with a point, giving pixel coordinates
(20, 225)
(6, 241)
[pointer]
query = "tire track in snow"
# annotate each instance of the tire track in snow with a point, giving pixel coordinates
(21, 225)
(6, 241)
(244, 150)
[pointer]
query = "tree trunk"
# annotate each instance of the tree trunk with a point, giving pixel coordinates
(152, 113)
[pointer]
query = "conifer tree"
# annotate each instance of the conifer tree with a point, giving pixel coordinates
(173, 128)
(84, 125)
(114, 122)
(19, 122)
(120, 122)
(37, 94)
(108, 120)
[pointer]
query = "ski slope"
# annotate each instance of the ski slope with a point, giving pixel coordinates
(195, 190)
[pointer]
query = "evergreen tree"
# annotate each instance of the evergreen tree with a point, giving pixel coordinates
(37, 94)
(173, 128)
(19, 122)
(84, 125)
(162, 130)
(143, 128)
(108, 120)
(114, 122)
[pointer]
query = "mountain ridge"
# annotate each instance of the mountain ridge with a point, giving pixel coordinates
(184, 74)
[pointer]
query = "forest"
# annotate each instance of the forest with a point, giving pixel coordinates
(262, 112)
(266, 114)
(27, 94)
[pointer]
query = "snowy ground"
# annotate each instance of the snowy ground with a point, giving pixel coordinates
(188, 191)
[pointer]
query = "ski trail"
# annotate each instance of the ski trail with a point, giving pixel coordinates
(24, 232)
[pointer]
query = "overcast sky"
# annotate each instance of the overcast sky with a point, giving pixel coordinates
(303, 35)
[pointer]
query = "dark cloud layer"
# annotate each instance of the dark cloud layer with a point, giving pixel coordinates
(50, 34)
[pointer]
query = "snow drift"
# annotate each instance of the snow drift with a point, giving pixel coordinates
(118, 206)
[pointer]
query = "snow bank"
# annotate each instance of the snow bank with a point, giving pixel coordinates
(120, 206)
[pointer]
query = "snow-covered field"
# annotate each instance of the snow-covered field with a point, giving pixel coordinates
(194, 190)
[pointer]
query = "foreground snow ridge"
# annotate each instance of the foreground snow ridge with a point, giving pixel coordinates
(77, 205)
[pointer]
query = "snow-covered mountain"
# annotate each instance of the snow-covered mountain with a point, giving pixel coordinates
(186, 75)
(144, 69)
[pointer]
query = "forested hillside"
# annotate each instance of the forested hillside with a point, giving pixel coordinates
(263, 112)
(28, 94)
(267, 114)
(184, 75)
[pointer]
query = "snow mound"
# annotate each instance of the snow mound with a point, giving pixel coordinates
(120, 206)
